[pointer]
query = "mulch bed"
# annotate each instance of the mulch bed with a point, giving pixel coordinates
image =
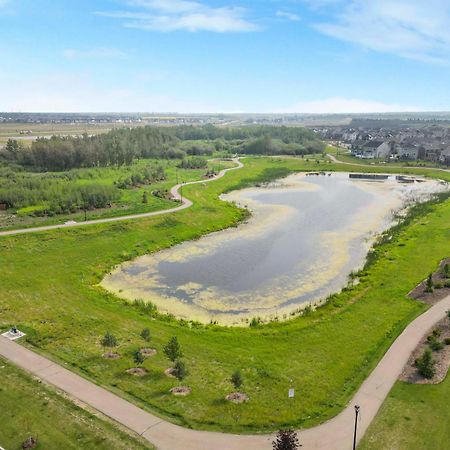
(181, 391)
(237, 397)
(169, 372)
(137, 371)
(111, 355)
(419, 292)
(442, 358)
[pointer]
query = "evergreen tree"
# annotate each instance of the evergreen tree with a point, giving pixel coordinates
(236, 379)
(425, 364)
(286, 440)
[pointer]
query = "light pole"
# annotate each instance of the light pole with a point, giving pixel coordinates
(357, 408)
(181, 192)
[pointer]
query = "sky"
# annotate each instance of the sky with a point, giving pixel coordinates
(191, 56)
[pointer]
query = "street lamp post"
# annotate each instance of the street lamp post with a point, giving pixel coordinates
(357, 408)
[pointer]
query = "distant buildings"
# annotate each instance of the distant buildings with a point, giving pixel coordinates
(430, 142)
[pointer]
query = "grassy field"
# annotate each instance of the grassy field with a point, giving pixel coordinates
(49, 289)
(29, 408)
(413, 417)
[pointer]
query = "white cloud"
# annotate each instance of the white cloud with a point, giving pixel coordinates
(412, 29)
(288, 16)
(180, 15)
(94, 53)
(341, 105)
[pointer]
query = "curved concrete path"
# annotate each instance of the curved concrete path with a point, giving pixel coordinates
(174, 192)
(336, 434)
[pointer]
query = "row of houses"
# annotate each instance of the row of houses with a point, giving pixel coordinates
(430, 143)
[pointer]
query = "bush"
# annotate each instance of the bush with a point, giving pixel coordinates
(109, 340)
(179, 370)
(447, 341)
(146, 335)
(434, 343)
(138, 357)
(236, 379)
(425, 364)
(429, 284)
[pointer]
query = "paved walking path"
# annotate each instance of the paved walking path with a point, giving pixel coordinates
(336, 434)
(186, 203)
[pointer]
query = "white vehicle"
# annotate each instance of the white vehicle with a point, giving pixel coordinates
(70, 222)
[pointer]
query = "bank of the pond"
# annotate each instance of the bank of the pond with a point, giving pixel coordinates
(48, 289)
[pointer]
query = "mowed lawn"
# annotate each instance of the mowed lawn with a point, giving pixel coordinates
(413, 417)
(48, 288)
(29, 408)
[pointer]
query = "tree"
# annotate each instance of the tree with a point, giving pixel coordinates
(430, 284)
(146, 335)
(425, 364)
(144, 197)
(138, 357)
(236, 379)
(179, 370)
(286, 440)
(109, 341)
(173, 350)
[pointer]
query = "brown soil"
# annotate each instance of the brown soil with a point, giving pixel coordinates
(137, 371)
(181, 391)
(419, 292)
(148, 352)
(442, 358)
(111, 355)
(169, 372)
(31, 442)
(237, 397)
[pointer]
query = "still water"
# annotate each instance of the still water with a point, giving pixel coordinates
(306, 234)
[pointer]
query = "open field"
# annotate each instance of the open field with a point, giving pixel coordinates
(28, 132)
(29, 408)
(49, 289)
(412, 417)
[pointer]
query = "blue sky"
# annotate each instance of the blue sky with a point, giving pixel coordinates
(225, 56)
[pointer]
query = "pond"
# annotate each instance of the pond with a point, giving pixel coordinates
(305, 236)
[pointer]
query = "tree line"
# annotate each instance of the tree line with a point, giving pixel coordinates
(121, 147)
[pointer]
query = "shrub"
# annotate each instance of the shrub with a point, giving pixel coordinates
(236, 379)
(434, 343)
(429, 284)
(138, 357)
(255, 321)
(447, 341)
(446, 270)
(425, 364)
(109, 340)
(146, 335)
(286, 440)
(173, 350)
(179, 370)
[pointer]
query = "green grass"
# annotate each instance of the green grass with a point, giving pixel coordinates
(29, 408)
(412, 417)
(49, 289)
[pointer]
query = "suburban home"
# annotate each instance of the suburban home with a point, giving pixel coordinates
(444, 158)
(372, 149)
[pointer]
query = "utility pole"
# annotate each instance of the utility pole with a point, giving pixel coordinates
(357, 408)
